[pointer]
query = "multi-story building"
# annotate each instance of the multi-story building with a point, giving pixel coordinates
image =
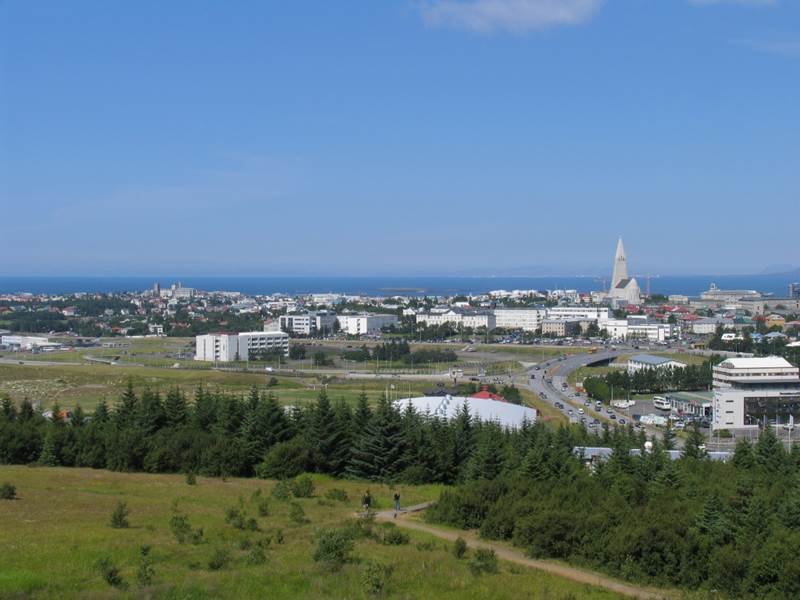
(794, 290)
(527, 319)
(365, 324)
(459, 317)
(561, 327)
(595, 313)
(753, 391)
(634, 328)
(227, 347)
(308, 323)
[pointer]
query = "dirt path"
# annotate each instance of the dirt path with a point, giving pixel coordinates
(505, 553)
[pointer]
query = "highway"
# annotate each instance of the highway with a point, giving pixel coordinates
(548, 378)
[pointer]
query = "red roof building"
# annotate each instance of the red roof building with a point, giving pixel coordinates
(485, 394)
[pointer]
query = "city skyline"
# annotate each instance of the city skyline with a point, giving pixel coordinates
(511, 137)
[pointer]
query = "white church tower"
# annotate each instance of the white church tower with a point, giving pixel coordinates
(624, 290)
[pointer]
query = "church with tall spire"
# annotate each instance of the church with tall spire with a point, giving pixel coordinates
(624, 289)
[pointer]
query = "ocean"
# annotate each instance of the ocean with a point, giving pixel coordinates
(693, 285)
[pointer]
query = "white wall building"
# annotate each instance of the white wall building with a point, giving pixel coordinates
(527, 319)
(648, 361)
(27, 342)
(628, 329)
(308, 323)
(585, 313)
(365, 324)
(458, 318)
(507, 415)
(227, 347)
(749, 391)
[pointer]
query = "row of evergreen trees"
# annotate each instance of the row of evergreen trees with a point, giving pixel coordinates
(653, 381)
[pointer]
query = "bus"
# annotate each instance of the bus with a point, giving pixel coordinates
(662, 403)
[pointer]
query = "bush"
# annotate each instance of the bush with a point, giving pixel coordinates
(302, 487)
(391, 535)
(459, 548)
(219, 559)
(263, 508)
(145, 573)
(375, 577)
(235, 518)
(281, 491)
(244, 544)
(484, 561)
(110, 573)
(285, 460)
(251, 524)
(362, 527)
(8, 491)
(333, 549)
(119, 518)
(297, 514)
(426, 546)
(256, 556)
(191, 478)
(279, 536)
(337, 494)
(183, 532)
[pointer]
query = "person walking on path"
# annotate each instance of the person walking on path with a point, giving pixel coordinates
(366, 501)
(396, 504)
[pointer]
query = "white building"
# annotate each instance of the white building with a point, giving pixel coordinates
(28, 342)
(708, 325)
(584, 313)
(365, 324)
(227, 347)
(458, 317)
(749, 391)
(527, 319)
(507, 415)
(639, 329)
(648, 361)
(308, 323)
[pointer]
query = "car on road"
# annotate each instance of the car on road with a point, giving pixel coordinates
(581, 411)
(622, 421)
(612, 416)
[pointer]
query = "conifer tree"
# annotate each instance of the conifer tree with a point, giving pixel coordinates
(48, 456)
(127, 407)
(379, 450)
(175, 408)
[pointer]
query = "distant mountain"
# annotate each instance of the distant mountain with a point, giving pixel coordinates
(787, 270)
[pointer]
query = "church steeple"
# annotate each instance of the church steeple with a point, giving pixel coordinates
(620, 265)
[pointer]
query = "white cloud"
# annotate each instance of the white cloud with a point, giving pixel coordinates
(517, 16)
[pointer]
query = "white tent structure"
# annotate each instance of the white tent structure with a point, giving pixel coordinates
(505, 414)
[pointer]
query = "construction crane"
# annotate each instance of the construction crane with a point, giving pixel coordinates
(648, 277)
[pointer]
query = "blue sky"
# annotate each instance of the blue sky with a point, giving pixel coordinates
(398, 136)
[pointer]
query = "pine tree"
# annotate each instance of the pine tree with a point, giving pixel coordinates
(362, 414)
(669, 437)
(379, 450)
(204, 415)
(101, 414)
(743, 456)
(7, 409)
(487, 460)
(175, 408)
(769, 451)
(326, 437)
(695, 443)
(126, 409)
(48, 456)
(150, 412)
(78, 416)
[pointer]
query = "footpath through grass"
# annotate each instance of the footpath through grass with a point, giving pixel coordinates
(58, 529)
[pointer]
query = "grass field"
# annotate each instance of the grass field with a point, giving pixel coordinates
(57, 530)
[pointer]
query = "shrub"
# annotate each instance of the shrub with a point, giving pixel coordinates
(285, 460)
(362, 527)
(235, 518)
(391, 535)
(244, 544)
(484, 561)
(219, 559)
(337, 494)
(263, 508)
(297, 514)
(110, 573)
(8, 491)
(426, 546)
(279, 536)
(182, 530)
(119, 518)
(145, 573)
(281, 491)
(375, 577)
(333, 548)
(251, 524)
(459, 548)
(256, 556)
(191, 478)
(302, 487)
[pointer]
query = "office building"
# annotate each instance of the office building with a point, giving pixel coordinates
(753, 391)
(526, 319)
(308, 323)
(365, 324)
(227, 347)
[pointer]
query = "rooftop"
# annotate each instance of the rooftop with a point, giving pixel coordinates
(503, 413)
(650, 359)
(762, 362)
